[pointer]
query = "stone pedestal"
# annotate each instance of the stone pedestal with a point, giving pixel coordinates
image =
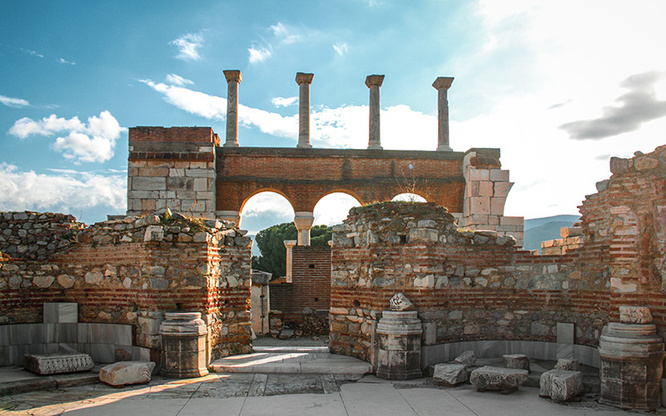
(632, 358)
(399, 345)
(183, 345)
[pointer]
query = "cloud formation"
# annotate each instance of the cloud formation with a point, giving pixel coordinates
(341, 48)
(258, 54)
(66, 62)
(65, 191)
(188, 46)
(174, 79)
(280, 35)
(284, 102)
(33, 53)
(81, 142)
(638, 105)
(13, 102)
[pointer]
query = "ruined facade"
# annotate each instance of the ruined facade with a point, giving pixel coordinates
(124, 275)
(470, 287)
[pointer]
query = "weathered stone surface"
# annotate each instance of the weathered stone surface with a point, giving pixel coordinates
(561, 385)
(183, 345)
(450, 375)
(399, 302)
(467, 358)
(519, 361)
(399, 345)
(497, 378)
(125, 373)
(635, 315)
(57, 363)
(567, 364)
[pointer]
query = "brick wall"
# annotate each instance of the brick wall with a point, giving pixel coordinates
(131, 271)
(309, 291)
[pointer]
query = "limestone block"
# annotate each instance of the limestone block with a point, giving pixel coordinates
(497, 378)
(635, 315)
(57, 363)
(567, 364)
(497, 206)
(479, 205)
(124, 373)
(561, 385)
(467, 358)
(519, 361)
(154, 233)
(450, 375)
(425, 235)
(399, 302)
(148, 183)
(497, 175)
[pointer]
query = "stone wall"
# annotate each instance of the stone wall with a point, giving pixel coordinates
(466, 285)
(31, 235)
(132, 270)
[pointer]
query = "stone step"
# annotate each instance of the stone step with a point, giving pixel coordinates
(291, 360)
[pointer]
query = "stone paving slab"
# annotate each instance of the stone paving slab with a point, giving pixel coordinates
(304, 362)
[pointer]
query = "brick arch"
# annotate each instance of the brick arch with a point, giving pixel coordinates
(260, 191)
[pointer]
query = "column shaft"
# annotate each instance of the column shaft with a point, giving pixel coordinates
(304, 81)
(373, 82)
(234, 77)
(442, 84)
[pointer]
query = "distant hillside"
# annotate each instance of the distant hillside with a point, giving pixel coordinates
(547, 228)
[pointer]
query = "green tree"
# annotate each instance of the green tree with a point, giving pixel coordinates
(270, 241)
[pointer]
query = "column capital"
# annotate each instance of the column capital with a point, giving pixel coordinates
(374, 80)
(443, 82)
(304, 78)
(233, 75)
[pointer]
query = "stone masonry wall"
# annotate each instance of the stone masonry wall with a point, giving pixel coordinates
(171, 167)
(466, 285)
(132, 270)
(32, 235)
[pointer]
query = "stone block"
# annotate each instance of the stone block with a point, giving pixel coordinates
(467, 358)
(450, 375)
(497, 206)
(501, 189)
(497, 378)
(61, 312)
(567, 364)
(57, 363)
(519, 361)
(565, 333)
(497, 175)
(478, 175)
(148, 183)
(126, 372)
(424, 235)
(479, 205)
(561, 385)
(635, 315)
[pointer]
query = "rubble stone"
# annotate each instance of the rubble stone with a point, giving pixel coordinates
(124, 373)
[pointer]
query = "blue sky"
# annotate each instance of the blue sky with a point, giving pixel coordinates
(558, 86)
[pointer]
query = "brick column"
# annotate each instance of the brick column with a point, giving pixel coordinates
(442, 84)
(304, 80)
(374, 82)
(303, 221)
(234, 77)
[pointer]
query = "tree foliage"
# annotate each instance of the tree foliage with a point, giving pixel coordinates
(270, 241)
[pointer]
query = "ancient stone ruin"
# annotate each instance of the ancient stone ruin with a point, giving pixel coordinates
(176, 271)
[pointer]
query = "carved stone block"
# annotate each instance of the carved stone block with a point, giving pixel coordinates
(57, 363)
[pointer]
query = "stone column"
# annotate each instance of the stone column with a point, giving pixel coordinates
(289, 244)
(234, 77)
(399, 345)
(442, 84)
(183, 345)
(304, 80)
(303, 221)
(374, 82)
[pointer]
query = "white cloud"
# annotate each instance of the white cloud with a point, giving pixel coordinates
(13, 102)
(91, 142)
(66, 62)
(33, 53)
(174, 79)
(333, 208)
(188, 46)
(194, 102)
(341, 48)
(66, 191)
(282, 101)
(259, 54)
(284, 35)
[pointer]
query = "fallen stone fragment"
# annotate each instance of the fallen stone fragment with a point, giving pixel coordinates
(57, 363)
(506, 380)
(567, 364)
(124, 373)
(467, 358)
(561, 385)
(450, 375)
(519, 361)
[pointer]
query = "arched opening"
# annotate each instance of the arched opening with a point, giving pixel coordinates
(409, 198)
(263, 210)
(333, 208)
